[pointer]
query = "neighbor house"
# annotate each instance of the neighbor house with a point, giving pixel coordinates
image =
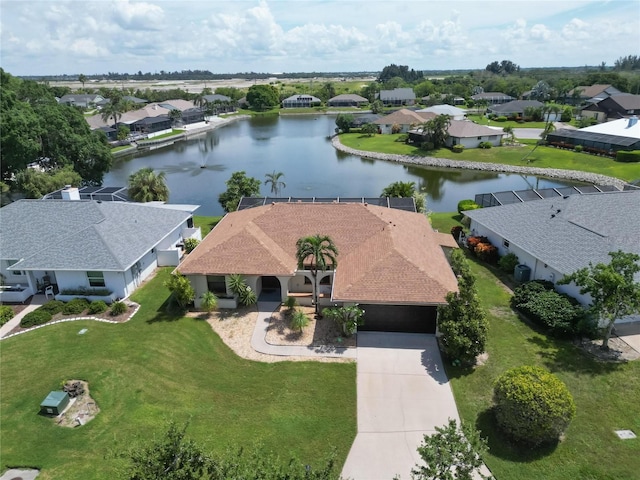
(389, 261)
(612, 108)
(595, 93)
(397, 97)
(554, 237)
(622, 134)
(75, 245)
(301, 101)
(82, 100)
(454, 112)
(492, 98)
(401, 121)
(465, 133)
(515, 108)
(347, 100)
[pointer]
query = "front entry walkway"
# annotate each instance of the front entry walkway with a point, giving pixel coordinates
(403, 394)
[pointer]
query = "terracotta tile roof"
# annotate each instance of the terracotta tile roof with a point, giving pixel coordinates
(385, 255)
(405, 116)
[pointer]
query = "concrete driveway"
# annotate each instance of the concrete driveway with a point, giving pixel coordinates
(629, 332)
(528, 133)
(403, 393)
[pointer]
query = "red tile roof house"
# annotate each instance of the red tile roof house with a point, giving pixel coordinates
(390, 261)
(404, 118)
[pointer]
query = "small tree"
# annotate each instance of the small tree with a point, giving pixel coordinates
(298, 320)
(239, 287)
(369, 129)
(399, 189)
(209, 301)
(451, 454)
(532, 405)
(344, 122)
(462, 322)
(319, 253)
(238, 186)
(146, 186)
(273, 179)
(348, 318)
(613, 290)
(190, 244)
(437, 130)
(181, 289)
(123, 132)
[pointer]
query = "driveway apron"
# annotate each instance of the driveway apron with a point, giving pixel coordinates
(403, 394)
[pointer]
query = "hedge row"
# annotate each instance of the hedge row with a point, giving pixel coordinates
(45, 313)
(628, 157)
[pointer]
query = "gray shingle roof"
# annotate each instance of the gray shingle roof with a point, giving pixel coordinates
(568, 233)
(398, 94)
(82, 235)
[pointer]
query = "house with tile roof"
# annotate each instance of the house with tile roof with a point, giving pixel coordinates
(390, 261)
(347, 100)
(404, 118)
(397, 96)
(75, 244)
(464, 132)
(555, 237)
(613, 108)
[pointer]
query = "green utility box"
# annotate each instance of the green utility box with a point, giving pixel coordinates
(55, 403)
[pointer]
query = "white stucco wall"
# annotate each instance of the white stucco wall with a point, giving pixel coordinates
(473, 142)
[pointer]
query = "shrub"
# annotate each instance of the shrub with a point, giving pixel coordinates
(98, 292)
(347, 318)
(501, 118)
(291, 302)
(75, 306)
(427, 146)
(396, 128)
(561, 314)
(578, 148)
(467, 204)
(508, 262)
(628, 157)
(298, 320)
(402, 138)
(532, 406)
(6, 314)
(239, 287)
(190, 244)
(37, 317)
(486, 252)
(457, 148)
(485, 145)
(118, 308)
(456, 231)
(182, 292)
(97, 307)
(53, 307)
(474, 241)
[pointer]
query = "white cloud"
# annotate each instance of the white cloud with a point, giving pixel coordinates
(138, 16)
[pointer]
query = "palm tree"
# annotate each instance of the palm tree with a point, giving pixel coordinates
(273, 179)
(146, 186)
(113, 109)
(319, 253)
(509, 131)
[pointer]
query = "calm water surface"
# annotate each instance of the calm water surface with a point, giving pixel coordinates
(298, 147)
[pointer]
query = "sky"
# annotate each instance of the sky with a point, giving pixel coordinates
(56, 37)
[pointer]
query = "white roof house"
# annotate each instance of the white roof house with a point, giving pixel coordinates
(454, 112)
(624, 127)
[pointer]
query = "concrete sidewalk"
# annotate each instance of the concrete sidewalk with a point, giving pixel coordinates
(36, 301)
(259, 343)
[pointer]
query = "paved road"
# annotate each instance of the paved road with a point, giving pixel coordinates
(403, 393)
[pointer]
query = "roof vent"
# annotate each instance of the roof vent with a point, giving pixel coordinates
(632, 121)
(70, 193)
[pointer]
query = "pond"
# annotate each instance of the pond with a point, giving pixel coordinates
(298, 146)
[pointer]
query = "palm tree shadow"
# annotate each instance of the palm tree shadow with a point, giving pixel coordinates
(506, 449)
(169, 311)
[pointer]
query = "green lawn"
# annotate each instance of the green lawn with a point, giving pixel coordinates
(121, 147)
(206, 224)
(157, 368)
(482, 120)
(543, 157)
(606, 395)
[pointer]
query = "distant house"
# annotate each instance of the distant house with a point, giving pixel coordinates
(622, 134)
(438, 98)
(220, 103)
(390, 261)
(135, 100)
(192, 115)
(454, 112)
(347, 100)
(514, 108)
(404, 119)
(152, 126)
(81, 100)
(492, 98)
(217, 98)
(110, 132)
(465, 133)
(76, 244)
(301, 101)
(556, 236)
(614, 107)
(583, 94)
(397, 97)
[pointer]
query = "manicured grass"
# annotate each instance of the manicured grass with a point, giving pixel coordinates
(606, 396)
(121, 147)
(157, 368)
(543, 157)
(165, 135)
(206, 224)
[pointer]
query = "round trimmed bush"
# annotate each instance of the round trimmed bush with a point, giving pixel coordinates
(75, 306)
(532, 405)
(457, 148)
(467, 204)
(53, 306)
(37, 317)
(6, 314)
(97, 307)
(118, 308)
(190, 244)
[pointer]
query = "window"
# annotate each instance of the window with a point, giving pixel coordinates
(505, 243)
(96, 279)
(217, 284)
(14, 272)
